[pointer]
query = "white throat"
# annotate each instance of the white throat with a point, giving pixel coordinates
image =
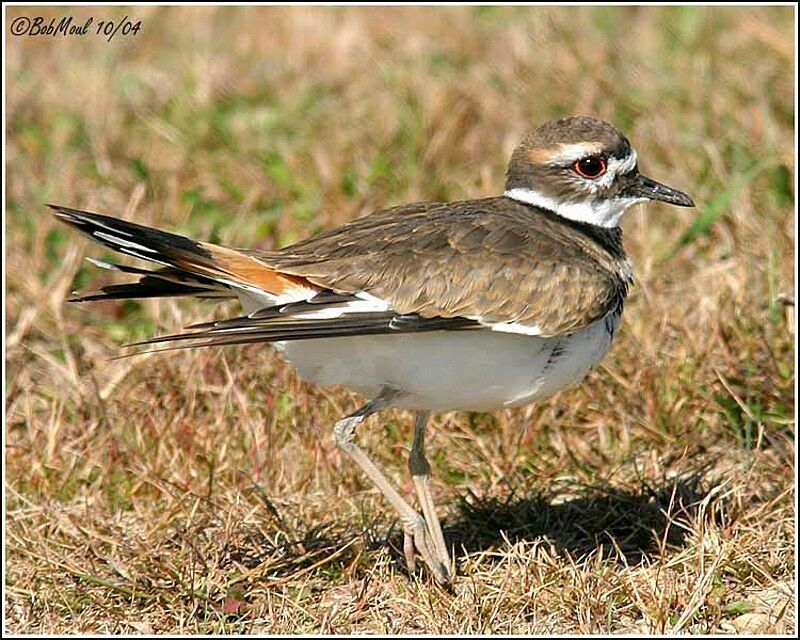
(603, 213)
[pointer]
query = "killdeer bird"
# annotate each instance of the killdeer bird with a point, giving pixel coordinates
(471, 305)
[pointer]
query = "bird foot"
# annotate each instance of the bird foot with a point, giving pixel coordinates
(419, 538)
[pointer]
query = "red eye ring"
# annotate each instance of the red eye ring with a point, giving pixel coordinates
(591, 167)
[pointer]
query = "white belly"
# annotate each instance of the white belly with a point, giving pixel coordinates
(460, 370)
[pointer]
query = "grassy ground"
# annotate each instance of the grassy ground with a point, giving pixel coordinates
(202, 492)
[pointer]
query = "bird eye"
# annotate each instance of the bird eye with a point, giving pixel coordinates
(591, 167)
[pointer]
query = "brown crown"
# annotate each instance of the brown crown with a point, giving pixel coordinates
(535, 163)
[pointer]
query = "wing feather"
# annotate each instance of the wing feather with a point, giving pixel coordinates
(494, 260)
(294, 321)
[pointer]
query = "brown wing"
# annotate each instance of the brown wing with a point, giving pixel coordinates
(493, 259)
(454, 266)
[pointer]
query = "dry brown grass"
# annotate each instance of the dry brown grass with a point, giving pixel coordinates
(202, 492)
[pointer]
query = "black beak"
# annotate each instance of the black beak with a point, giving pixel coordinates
(644, 187)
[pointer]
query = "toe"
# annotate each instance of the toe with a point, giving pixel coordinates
(409, 551)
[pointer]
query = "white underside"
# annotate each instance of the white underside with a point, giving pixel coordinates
(458, 370)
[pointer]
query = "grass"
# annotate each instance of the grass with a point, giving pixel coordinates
(202, 492)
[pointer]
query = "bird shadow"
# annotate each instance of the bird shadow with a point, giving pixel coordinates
(632, 524)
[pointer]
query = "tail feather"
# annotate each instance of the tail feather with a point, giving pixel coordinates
(133, 239)
(162, 283)
(148, 288)
(189, 267)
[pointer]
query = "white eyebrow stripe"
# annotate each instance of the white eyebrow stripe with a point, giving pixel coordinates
(569, 153)
(564, 153)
